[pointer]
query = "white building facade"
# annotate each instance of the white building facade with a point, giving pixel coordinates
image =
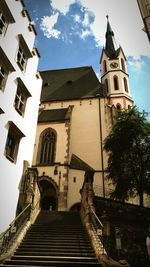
(20, 88)
(144, 6)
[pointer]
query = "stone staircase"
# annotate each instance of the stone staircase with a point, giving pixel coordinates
(55, 239)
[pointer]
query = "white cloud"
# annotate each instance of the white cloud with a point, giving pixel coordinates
(47, 25)
(127, 29)
(86, 20)
(85, 33)
(77, 18)
(62, 5)
(136, 64)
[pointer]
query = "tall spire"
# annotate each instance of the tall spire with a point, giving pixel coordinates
(109, 46)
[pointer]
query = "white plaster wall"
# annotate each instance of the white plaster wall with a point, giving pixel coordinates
(10, 172)
(74, 195)
(85, 141)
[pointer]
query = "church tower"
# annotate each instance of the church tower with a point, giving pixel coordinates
(114, 73)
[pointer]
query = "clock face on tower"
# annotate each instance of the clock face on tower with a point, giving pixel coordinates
(114, 65)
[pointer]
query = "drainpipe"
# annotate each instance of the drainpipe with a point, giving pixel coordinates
(101, 143)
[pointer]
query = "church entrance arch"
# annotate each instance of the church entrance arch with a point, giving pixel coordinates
(48, 194)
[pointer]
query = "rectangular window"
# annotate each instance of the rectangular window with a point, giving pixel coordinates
(3, 24)
(5, 68)
(6, 17)
(23, 53)
(3, 77)
(21, 59)
(22, 95)
(10, 146)
(12, 143)
(20, 102)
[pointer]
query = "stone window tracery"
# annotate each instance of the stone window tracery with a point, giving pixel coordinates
(48, 147)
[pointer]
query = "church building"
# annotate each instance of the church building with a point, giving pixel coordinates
(75, 116)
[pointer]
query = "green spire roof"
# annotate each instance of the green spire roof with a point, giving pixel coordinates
(109, 46)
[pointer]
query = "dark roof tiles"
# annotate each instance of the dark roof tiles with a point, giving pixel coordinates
(70, 84)
(79, 164)
(53, 115)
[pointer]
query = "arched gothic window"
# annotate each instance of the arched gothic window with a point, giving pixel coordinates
(106, 84)
(123, 64)
(104, 66)
(118, 106)
(125, 84)
(47, 147)
(116, 85)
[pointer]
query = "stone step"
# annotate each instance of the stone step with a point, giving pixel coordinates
(55, 253)
(51, 264)
(55, 248)
(56, 239)
(42, 258)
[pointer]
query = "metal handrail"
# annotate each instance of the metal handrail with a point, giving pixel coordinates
(19, 215)
(13, 222)
(98, 220)
(10, 233)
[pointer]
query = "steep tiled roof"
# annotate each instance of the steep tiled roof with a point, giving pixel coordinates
(69, 84)
(79, 164)
(53, 115)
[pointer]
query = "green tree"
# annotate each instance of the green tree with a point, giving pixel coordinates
(128, 147)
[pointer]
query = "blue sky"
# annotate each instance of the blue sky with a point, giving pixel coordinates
(71, 33)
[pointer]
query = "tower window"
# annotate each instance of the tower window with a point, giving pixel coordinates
(118, 106)
(104, 66)
(123, 64)
(125, 84)
(48, 147)
(106, 84)
(116, 85)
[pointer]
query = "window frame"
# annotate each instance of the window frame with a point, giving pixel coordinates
(118, 106)
(104, 66)
(23, 53)
(7, 67)
(7, 15)
(116, 83)
(125, 82)
(3, 24)
(123, 65)
(22, 95)
(3, 77)
(12, 142)
(47, 152)
(106, 85)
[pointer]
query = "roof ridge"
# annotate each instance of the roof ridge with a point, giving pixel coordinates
(69, 69)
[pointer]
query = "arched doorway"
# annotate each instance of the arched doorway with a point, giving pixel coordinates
(48, 199)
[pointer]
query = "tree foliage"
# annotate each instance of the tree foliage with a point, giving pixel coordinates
(128, 147)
